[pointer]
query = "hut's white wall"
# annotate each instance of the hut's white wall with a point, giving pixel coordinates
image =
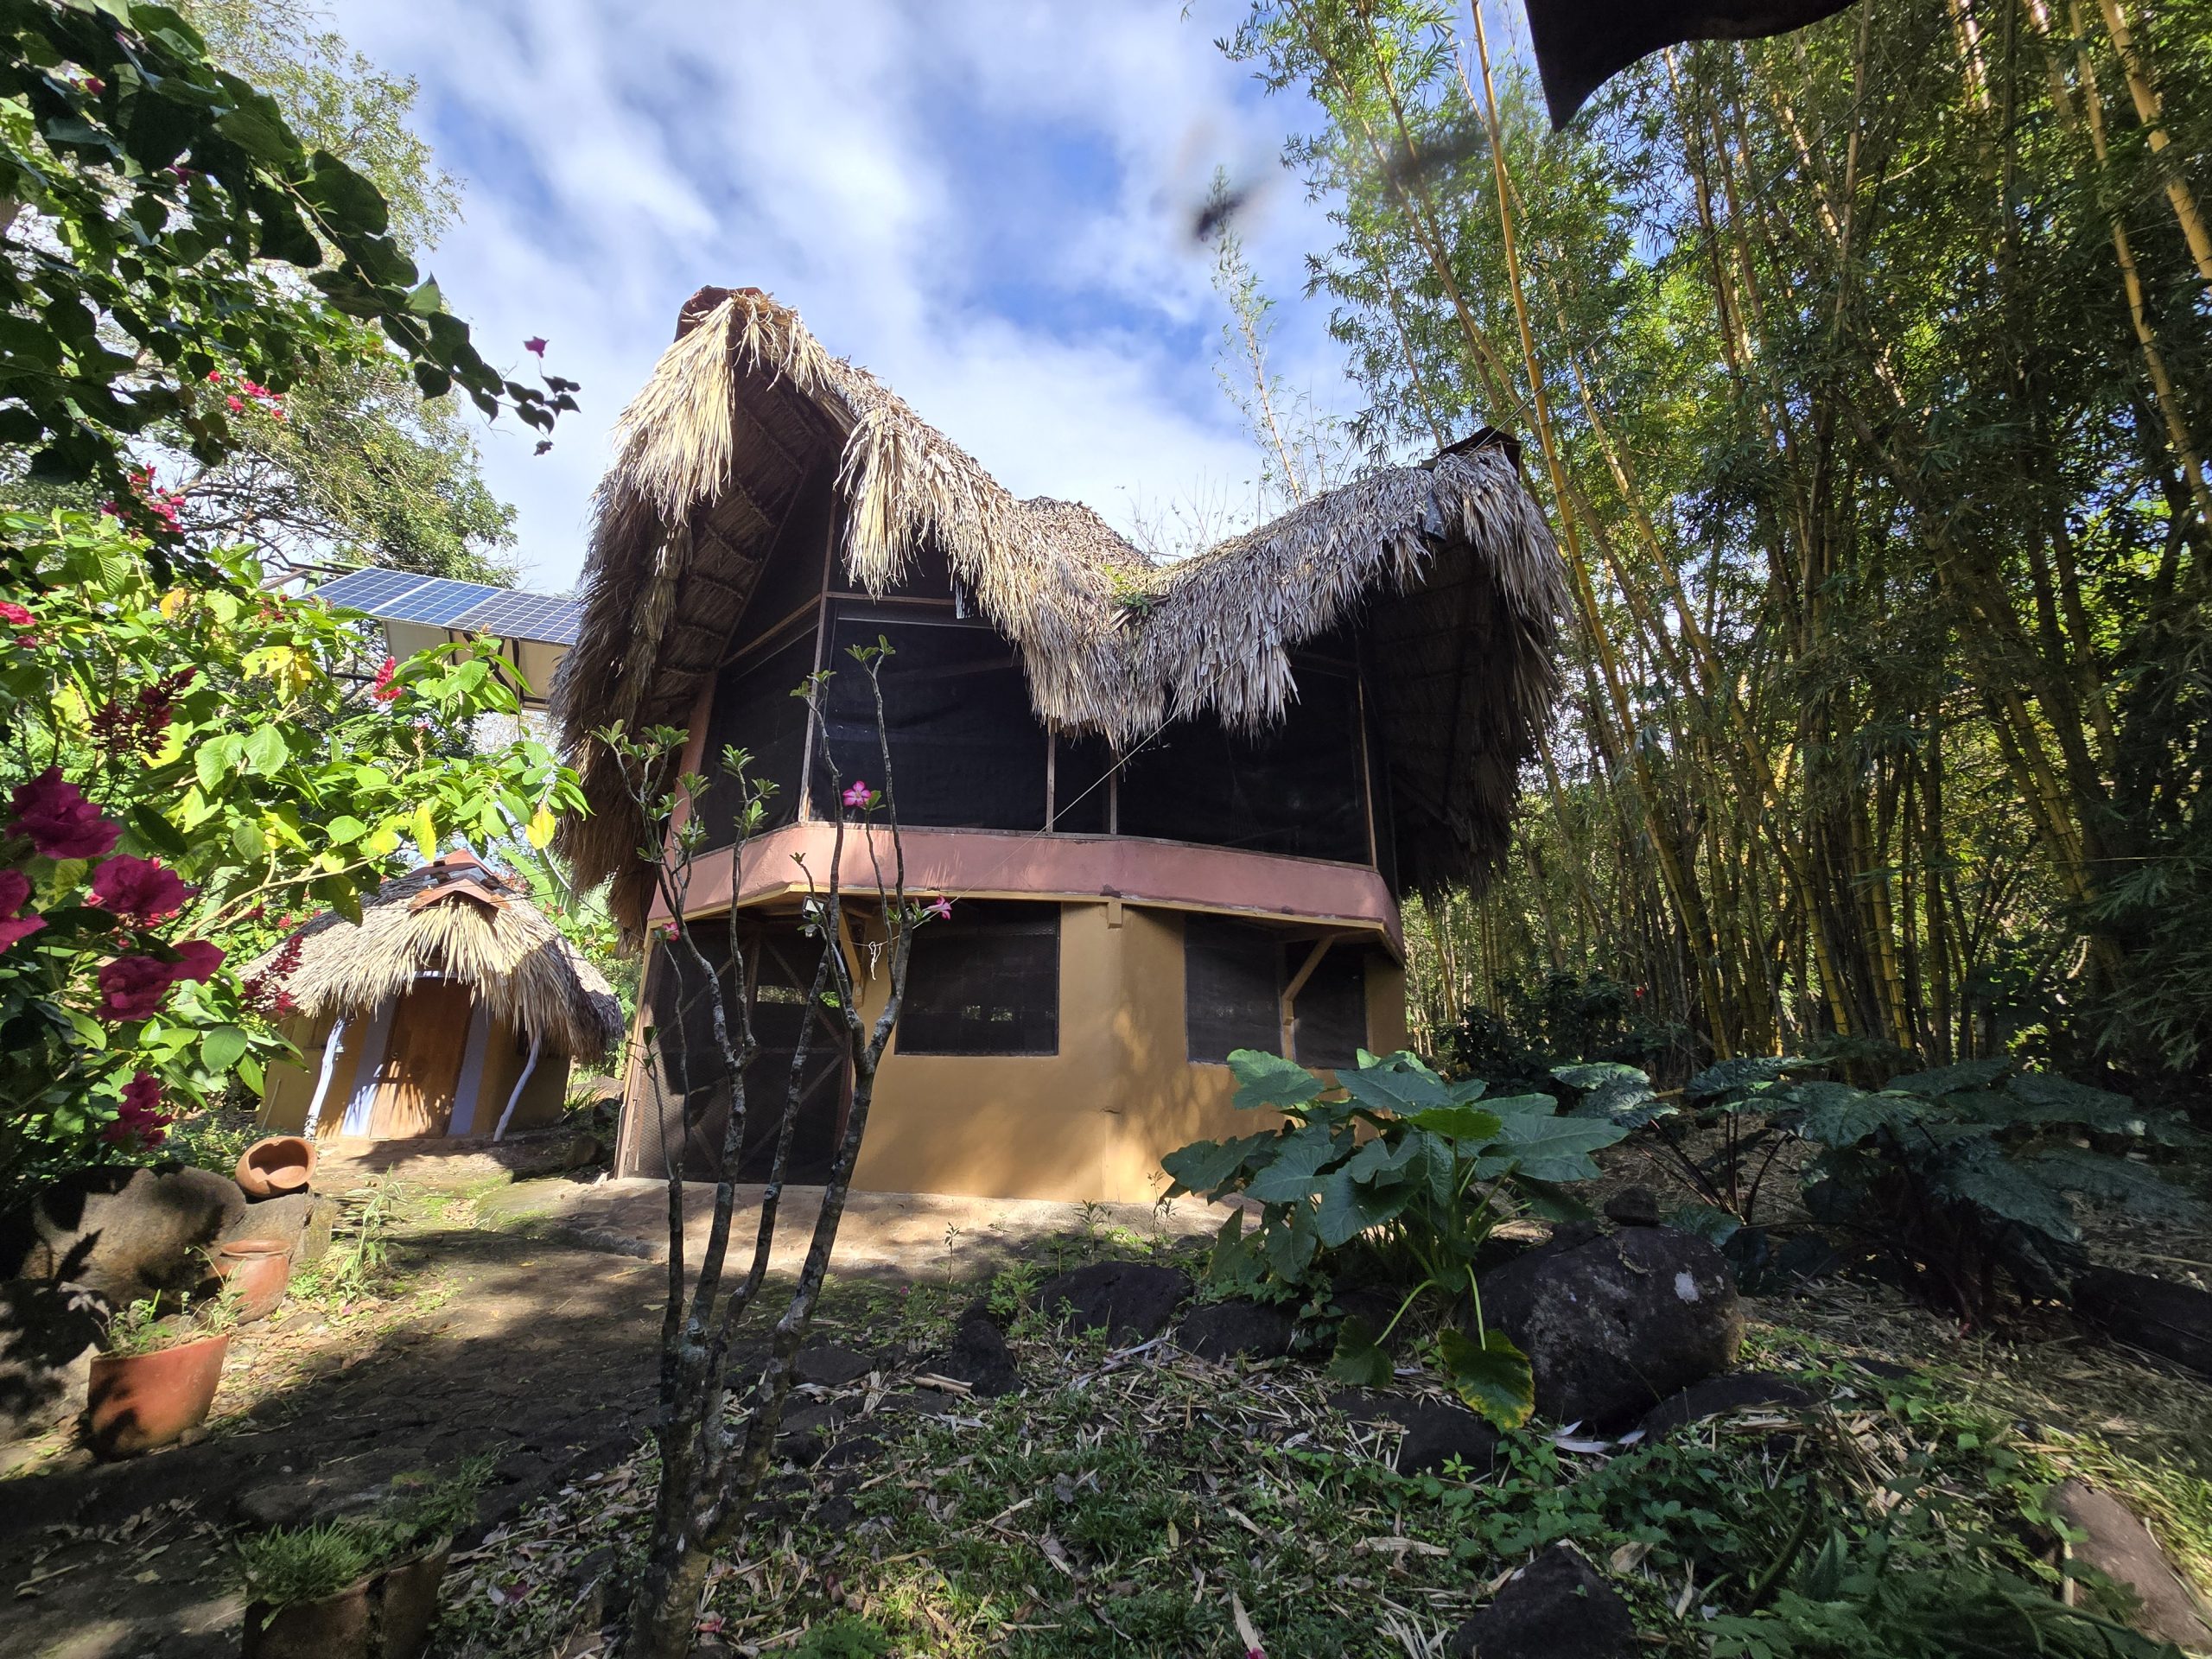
(496, 1067)
(292, 1086)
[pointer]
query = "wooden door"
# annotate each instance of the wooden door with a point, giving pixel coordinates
(421, 1072)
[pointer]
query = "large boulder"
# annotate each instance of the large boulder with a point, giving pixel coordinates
(124, 1233)
(1223, 1330)
(1614, 1326)
(1436, 1431)
(1131, 1301)
(2172, 1321)
(2120, 1546)
(48, 1336)
(1557, 1607)
(980, 1358)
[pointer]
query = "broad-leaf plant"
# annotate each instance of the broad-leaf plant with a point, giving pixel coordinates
(1420, 1169)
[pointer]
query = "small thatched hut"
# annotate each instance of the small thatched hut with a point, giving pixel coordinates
(1174, 805)
(452, 1008)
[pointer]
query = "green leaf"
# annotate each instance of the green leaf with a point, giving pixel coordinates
(251, 844)
(2051, 1098)
(1398, 1085)
(1359, 1359)
(1468, 1124)
(1513, 1106)
(1600, 1074)
(222, 1047)
(1264, 1080)
(345, 829)
(1742, 1073)
(1208, 1166)
(1556, 1148)
(157, 832)
(2117, 1181)
(217, 759)
(1289, 1243)
(1349, 1207)
(1980, 1174)
(1950, 1079)
(265, 751)
(1836, 1114)
(1492, 1376)
(1291, 1176)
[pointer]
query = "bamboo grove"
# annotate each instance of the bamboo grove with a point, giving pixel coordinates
(1863, 375)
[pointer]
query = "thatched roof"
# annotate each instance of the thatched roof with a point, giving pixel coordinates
(453, 916)
(1447, 566)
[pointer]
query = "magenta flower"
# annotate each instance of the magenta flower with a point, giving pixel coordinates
(14, 894)
(60, 821)
(859, 794)
(384, 690)
(535, 346)
(942, 909)
(131, 988)
(197, 960)
(16, 615)
(138, 889)
(140, 1115)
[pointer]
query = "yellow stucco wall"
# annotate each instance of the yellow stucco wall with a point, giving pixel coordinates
(291, 1086)
(1093, 1121)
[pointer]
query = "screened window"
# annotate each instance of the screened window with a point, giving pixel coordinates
(1330, 1026)
(754, 710)
(966, 751)
(1232, 988)
(1081, 782)
(987, 981)
(1295, 788)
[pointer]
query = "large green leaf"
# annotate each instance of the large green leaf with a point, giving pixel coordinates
(1556, 1148)
(222, 1048)
(2117, 1181)
(1600, 1074)
(1291, 1175)
(1492, 1376)
(1836, 1114)
(1359, 1359)
(1735, 1076)
(1980, 1174)
(1387, 1161)
(1349, 1207)
(1469, 1123)
(1208, 1166)
(2050, 1098)
(1288, 1242)
(1270, 1080)
(1950, 1079)
(1400, 1084)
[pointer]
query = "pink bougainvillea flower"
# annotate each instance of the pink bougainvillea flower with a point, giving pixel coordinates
(60, 821)
(535, 346)
(942, 910)
(138, 889)
(14, 894)
(197, 960)
(131, 988)
(384, 690)
(235, 405)
(140, 1114)
(859, 794)
(214, 376)
(16, 615)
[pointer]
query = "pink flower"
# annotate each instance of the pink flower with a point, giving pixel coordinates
(214, 376)
(140, 1114)
(384, 690)
(535, 346)
(197, 960)
(60, 821)
(859, 794)
(942, 910)
(16, 615)
(14, 894)
(236, 405)
(131, 988)
(138, 889)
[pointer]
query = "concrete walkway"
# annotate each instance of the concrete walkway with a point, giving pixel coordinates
(890, 1235)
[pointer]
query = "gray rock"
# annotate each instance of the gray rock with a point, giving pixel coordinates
(1615, 1324)
(1221, 1330)
(1131, 1301)
(1633, 1206)
(1436, 1433)
(1717, 1396)
(124, 1233)
(322, 1228)
(2172, 1321)
(2121, 1547)
(286, 1217)
(48, 1337)
(1557, 1607)
(832, 1365)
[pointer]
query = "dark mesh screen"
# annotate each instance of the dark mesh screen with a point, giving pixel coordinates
(792, 576)
(1232, 988)
(987, 981)
(1080, 788)
(966, 751)
(1295, 788)
(754, 710)
(1330, 1015)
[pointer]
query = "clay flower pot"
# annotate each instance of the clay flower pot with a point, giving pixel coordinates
(258, 1269)
(387, 1615)
(282, 1163)
(137, 1401)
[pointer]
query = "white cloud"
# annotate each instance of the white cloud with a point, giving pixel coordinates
(987, 202)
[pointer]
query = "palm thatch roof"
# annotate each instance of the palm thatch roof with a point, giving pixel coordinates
(1447, 566)
(455, 918)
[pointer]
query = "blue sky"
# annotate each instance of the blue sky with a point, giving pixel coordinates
(986, 202)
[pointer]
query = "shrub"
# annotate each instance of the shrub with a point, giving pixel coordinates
(1393, 1154)
(287, 1564)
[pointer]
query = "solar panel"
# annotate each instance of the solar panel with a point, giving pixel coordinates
(437, 603)
(369, 589)
(464, 607)
(524, 616)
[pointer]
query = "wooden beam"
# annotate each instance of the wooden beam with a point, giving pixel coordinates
(1289, 1009)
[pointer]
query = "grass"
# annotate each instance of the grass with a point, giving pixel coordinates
(1131, 1503)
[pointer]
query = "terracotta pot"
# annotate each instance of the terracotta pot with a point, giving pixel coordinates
(137, 1401)
(258, 1269)
(387, 1615)
(282, 1163)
